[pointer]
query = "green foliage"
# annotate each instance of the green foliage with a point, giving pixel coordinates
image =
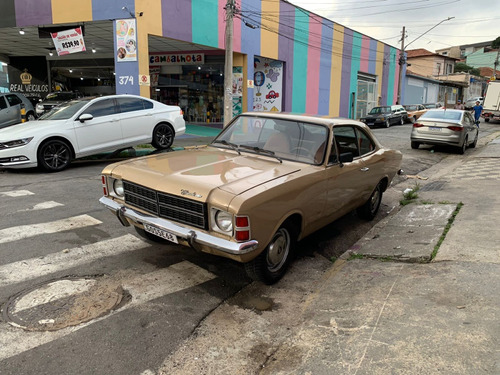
(462, 67)
(496, 43)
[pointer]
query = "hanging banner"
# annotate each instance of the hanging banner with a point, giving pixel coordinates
(68, 41)
(126, 40)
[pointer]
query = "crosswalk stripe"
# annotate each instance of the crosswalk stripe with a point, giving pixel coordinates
(16, 193)
(36, 267)
(43, 206)
(25, 231)
(143, 288)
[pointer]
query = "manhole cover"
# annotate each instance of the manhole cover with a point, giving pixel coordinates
(434, 186)
(61, 303)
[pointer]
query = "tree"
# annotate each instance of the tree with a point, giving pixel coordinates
(462, 67)
(496, 43)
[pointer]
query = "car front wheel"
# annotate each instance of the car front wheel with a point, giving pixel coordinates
(270, 265)
(163, 136)
(461, 150)
(54, 155)
(369, 210)
(30, 116)
(402, 121)
(387, 123)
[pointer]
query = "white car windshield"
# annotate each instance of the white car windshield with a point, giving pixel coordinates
(64, 111)
(283, 139)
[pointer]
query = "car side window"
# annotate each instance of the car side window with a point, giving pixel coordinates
(468, 119)
(147, 104)
(13, 99)
(3, 103)
(366, 144)
(130, 104)
(346, 140)
(102, 108)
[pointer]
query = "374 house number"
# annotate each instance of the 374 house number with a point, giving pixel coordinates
(126, 80)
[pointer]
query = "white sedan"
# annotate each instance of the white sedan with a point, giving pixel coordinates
(89, 126)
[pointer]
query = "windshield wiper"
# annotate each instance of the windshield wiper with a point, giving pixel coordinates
(231, 145)
(262, 151)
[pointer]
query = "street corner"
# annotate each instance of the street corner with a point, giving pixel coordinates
(411, 235)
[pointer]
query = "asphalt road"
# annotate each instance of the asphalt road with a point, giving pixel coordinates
(56, 240)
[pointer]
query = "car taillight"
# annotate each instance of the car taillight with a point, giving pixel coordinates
(456, 128)
(104, 185)
(182, 112)
(242, 228)
(417, 125)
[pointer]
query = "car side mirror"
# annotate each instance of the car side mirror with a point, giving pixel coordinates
(346, 157)
(85, 117)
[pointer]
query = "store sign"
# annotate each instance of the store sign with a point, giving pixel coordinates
(27, 87)
(126, 40)
(144, 80)
(68, 41)
(177, 59)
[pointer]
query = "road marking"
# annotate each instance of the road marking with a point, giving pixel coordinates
(43, 206)
(16, 193)
(25, 231)
(143, 288)
(36, 267)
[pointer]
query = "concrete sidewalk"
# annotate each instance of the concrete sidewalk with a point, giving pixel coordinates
(391, 305)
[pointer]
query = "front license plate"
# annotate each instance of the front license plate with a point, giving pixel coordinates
(161, 233)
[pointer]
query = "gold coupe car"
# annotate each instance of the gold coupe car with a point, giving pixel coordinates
(267, 181)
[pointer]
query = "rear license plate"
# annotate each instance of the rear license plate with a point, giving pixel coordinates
(161, 233)
(434, 129)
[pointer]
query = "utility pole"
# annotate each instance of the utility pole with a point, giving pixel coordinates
(228, 64)
(401, 64)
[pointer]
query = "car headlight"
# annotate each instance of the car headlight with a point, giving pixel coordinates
(221, 221)
(39, 106)
(382, 118)
(16, 143)
(118, 188)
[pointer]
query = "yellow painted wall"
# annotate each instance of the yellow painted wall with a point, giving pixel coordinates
(64, 11)
(270, 20)
(380, 68)
(149, 23)
(336, 74)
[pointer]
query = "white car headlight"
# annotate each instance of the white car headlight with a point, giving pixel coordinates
(222, 221)
(16, 143)
(118, 187)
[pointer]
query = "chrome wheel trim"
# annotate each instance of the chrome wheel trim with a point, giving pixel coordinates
(278, 250)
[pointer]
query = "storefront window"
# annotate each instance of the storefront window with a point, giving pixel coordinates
(197, 89)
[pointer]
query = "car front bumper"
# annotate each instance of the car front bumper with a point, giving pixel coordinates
(192, 236)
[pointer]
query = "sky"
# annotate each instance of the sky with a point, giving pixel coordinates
(474, 21)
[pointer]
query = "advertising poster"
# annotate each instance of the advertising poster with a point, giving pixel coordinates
(126, 40)
(68, 41)
(237, 90)
(268, 85)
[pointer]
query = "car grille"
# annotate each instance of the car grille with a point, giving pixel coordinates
(168, 206)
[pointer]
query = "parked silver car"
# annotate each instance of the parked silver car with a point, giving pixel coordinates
(54, 99)
(10, 109)
(450, 127)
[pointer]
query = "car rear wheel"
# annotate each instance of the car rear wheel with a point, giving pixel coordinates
(271, 264)
(462, 149)
(54, 155)
(487, 119)
(414, 145)
(163, 136)
(369, 210)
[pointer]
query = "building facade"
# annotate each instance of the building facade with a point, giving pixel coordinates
(285, 58)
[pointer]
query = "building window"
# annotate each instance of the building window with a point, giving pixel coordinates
(449, 68)
(438, 68)
(367, 94)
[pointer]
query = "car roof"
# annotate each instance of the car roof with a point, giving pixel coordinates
(317, 119)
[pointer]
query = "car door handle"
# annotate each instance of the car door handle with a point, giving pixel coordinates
(114, 120)
(364, 169)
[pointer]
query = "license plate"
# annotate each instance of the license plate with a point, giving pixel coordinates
(369, 123)
(161, 233)
(434, 129)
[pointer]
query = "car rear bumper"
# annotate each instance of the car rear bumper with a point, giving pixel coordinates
(127, 215)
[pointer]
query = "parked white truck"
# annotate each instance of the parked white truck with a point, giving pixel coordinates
(491, 106)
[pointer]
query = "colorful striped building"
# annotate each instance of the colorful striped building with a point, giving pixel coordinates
(324, 67)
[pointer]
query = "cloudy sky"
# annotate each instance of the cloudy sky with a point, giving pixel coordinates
(475, 20)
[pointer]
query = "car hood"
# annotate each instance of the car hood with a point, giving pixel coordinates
(27, 129)
(195, 173)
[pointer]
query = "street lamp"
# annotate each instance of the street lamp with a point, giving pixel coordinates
(402, 59)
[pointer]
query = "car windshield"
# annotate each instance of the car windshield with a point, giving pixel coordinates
(64, 111)
(379, 110)
(442, 115)
(410, 107)
(273, 137)
(60, 96)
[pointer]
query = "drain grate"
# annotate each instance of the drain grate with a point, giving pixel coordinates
(434, 186)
